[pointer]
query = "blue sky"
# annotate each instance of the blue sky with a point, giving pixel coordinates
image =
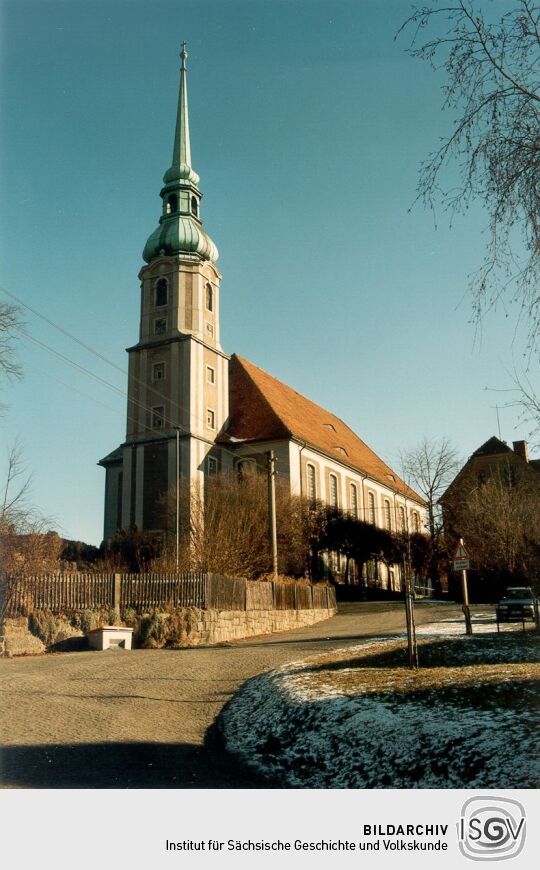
(308, 124)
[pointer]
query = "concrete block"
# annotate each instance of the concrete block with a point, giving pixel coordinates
(110, 637)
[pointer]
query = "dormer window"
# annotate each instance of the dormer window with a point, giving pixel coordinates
(162, 292)
(209, 298)
(194, 207)
(172, 204)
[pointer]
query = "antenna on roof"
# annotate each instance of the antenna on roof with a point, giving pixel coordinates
(498, 420)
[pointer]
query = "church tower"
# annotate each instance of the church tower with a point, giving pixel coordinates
(178, 372)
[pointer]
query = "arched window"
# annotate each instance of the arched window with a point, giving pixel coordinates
(209, 297)
(402, 519)
(387, 515)
(172, 204)
(371, 508)
(333, 491)
(311, 484)
(415, 522)
(162, 291)
(194, 206)
(354, 500)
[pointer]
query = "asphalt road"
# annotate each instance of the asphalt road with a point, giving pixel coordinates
(146, 718)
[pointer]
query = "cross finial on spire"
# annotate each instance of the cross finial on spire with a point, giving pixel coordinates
(184, 55)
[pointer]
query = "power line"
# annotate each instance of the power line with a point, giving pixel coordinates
(103, 358)
(101, 380)
(172, 424)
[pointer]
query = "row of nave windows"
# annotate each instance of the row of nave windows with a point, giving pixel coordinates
(333, 500)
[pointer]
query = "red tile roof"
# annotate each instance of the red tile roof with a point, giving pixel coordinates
(264, 409)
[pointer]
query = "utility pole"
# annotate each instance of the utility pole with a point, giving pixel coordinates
(272, 509)
(412, 646)
(466, 608)
(177, 500)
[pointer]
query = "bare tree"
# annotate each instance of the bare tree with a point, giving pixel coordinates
(9, 324)
(528, 402)
(14, 507)
(430, 468)
(226, 530)
(493, 88)
(26, 544)
(499, 518)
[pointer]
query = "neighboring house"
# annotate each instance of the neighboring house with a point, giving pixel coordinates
(494, 458)
(494, 503)
(194, 411)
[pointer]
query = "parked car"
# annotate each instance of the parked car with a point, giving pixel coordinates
(518, 603)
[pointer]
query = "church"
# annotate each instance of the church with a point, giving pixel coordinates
(194, 411)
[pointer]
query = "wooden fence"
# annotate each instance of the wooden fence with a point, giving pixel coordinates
(65, 593)
(149, 591)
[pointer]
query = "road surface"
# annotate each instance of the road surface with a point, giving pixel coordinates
(145, 718)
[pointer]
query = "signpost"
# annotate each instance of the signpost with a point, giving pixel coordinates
(272, 509)
(462, 563)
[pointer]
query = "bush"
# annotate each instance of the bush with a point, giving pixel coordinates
(156, 630)
(43, 625)
(87, 621)
(151, 632)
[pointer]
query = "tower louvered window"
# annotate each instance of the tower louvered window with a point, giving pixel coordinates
(162, 292)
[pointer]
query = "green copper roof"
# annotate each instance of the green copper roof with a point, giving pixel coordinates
(180, 230)
(181, 159)
(180, 236)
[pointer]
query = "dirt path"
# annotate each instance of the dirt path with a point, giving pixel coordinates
(144, 719)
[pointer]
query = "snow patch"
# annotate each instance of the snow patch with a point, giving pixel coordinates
(313, 736)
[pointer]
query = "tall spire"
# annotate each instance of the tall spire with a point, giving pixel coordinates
(180, 229)
(181, 160)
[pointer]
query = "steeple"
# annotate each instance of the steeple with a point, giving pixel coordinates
(181, 160)
(180, 229)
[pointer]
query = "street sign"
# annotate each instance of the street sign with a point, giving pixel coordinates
(461, 553)
(461, 565)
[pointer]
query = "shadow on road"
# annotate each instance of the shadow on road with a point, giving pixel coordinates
(124, 765)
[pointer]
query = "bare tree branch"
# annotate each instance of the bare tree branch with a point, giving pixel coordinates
(9, 323)
(493, 88)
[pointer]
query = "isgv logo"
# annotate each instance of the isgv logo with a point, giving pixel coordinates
(491, 828)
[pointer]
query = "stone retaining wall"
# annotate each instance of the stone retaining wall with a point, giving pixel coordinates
(18, 640)
(206, 627)
(219, 626)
